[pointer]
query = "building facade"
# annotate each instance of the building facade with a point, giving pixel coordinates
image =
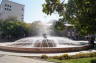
(9, 9)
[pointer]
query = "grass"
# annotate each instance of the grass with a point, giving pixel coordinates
(81, 60)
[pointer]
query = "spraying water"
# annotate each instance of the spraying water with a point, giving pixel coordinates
(45, 40)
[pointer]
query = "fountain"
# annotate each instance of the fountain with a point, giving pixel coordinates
(45, 44)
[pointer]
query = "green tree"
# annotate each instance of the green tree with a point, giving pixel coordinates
(14, 29)
(35, 28)
(80, 13)
(57, 28)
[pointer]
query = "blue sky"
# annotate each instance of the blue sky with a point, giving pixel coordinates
(33, 11)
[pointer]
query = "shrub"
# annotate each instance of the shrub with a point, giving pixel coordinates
(44, 57)
(84, 55)
(93, 54)
(79, 55)
(65, 56)
(55, 57)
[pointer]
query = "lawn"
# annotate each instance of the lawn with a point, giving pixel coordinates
(81, 60)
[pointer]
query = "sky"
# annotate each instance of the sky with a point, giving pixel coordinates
(33, 11)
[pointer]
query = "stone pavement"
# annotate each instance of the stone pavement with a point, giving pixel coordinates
(16, 59)
(40, 54)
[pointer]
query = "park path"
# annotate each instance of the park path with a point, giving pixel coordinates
(16, 59)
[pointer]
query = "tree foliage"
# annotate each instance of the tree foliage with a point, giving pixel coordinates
(59, 26)
(80, 13)
(13, 29)
(35, 28)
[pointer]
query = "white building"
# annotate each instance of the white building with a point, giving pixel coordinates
(9, 9)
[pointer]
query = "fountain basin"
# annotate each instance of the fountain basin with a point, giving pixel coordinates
(44, 50)
(41, 45)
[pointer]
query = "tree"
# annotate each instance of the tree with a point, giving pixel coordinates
(13, 29)
(80, 13)
(35, 28)
(57, 28)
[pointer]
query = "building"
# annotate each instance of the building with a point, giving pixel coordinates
(9, 9)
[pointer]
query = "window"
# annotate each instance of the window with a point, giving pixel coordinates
(7, 5)
(7, 9)
(10, 6)
(22, 8)
(22, 15)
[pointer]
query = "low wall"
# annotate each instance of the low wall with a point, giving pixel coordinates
(43, 50)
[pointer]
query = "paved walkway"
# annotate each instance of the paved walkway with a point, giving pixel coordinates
(40, 54)
(15, 59)
(8, 58)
